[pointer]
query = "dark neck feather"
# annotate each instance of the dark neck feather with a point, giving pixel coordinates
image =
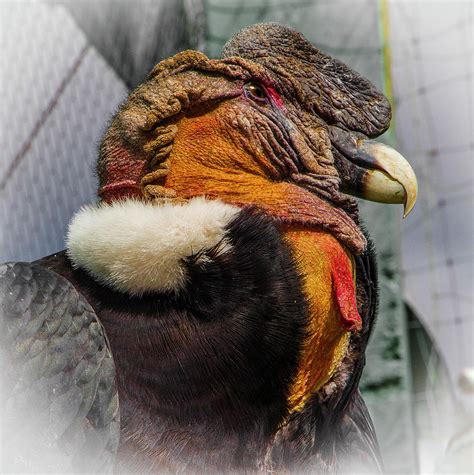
(206, 372)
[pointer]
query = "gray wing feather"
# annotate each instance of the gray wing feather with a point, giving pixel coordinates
(59, 402)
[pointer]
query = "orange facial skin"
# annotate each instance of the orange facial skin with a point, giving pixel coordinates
(208, 159)
(212, 156)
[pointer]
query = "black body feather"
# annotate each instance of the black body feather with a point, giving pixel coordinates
(203, 374)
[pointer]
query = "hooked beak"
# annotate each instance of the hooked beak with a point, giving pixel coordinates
(376, 172)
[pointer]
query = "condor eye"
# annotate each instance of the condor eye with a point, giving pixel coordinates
(255, 91)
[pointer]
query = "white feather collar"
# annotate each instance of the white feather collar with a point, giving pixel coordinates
(139, 247)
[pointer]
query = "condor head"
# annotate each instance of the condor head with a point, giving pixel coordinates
(274, 124)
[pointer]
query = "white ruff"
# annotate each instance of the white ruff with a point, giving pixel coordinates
(138, 247)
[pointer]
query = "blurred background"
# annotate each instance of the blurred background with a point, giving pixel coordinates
(66, 66)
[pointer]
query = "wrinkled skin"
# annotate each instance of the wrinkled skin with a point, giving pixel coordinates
(311, 105)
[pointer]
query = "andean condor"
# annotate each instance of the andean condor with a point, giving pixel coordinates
(212, 310)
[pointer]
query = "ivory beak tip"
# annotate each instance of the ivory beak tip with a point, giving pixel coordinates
(399, 177)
